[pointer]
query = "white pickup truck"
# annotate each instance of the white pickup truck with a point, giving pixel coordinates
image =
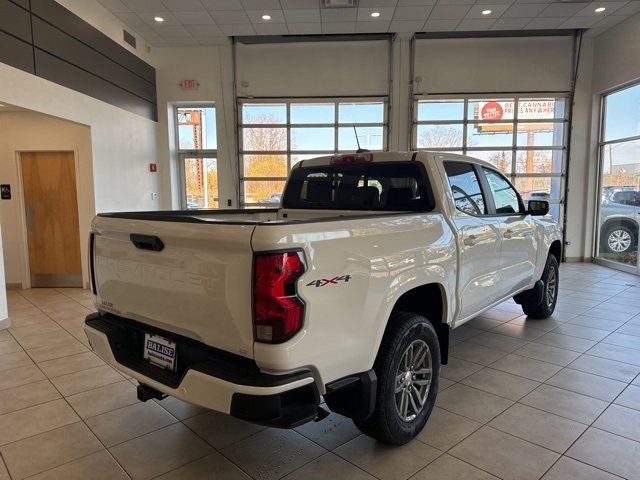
(348, 291)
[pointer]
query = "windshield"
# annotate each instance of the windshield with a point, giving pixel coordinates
(372, 186)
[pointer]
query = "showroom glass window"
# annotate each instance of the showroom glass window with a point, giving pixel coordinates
(522, 136)
(276, 134)
(619, 201)
(197, 147)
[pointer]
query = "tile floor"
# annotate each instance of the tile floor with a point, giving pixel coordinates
(520, 399)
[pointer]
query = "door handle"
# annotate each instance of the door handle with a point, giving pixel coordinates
(508, 233)
(147, 242)
(470, 241)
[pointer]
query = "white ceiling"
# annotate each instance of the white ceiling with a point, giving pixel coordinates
(209, 22)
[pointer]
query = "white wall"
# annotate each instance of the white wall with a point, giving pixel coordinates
(484, 65)
(122, 143)
(28, 131)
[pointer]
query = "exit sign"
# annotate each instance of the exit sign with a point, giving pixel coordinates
(189, 84)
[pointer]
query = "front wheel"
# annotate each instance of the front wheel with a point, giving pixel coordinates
(408, 369)
(550, 280)
(618, 239)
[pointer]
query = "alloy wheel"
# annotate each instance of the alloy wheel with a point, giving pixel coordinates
(413, 380)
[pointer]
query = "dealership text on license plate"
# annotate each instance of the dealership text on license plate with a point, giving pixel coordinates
(160, 351)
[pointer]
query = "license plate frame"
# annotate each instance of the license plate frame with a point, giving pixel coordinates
(160, 351)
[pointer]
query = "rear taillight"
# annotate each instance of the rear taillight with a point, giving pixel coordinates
(92, 281)
(278, 312)
(352, 159)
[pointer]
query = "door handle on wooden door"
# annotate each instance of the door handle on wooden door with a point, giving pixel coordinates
(29, 218)
(470, 241)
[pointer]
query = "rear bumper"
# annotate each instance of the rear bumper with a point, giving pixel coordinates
(206, 376)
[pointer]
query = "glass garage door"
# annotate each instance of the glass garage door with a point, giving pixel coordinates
(617, 233)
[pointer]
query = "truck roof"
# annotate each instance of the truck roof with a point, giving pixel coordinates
(421, 155)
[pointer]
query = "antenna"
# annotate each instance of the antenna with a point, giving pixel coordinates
(360, 150)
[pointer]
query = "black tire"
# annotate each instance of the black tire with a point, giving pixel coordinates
(624, 234)
(545, 308)
(385, 424)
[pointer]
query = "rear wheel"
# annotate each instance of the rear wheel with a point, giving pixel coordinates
(408, 369)
(550, 278)
(618, 239)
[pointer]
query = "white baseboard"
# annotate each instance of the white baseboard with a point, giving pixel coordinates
(6, 323)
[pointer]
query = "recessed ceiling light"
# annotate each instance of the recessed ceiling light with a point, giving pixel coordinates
(266, 17)
(375, 14)
(600, 9)
(158, 19)
(486, 12)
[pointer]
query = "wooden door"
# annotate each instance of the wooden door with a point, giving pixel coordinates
(51, 211)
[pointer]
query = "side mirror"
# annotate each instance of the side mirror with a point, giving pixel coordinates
(538, 208)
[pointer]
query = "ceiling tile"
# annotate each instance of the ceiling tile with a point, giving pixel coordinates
(229, 17)
(580, 22)
(212, 41)
(239, 29)
(146, 6)
(475, 24)
(535, 1)
(562, 9)
(456, 2)
(544, 23)
(183, 5)
(256, 16)
(292, 4)
(204, 30)
(364, 14)
(496, 11)
(610, 21)
(260, 4)
(149, 19)
(412, 13)
(494, 2)
(271, 28)
(416, 3)
(302, 15)
(510, 23)
(222, 4)
(172, 31)
(406, 26)
(194, 18)
(630, 8)
(146, 32)
(523, 10)
(115, 6)
(181, 42)
(338, 15)
(590, 10)
(339, 27)
(372, 27)
(130, 18)
(441, 25)
(449, 12)
(304, 28)
(377, 3)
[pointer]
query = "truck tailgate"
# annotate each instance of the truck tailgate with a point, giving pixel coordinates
(197, 285)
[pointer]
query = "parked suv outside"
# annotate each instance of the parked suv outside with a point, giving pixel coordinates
(619, 220)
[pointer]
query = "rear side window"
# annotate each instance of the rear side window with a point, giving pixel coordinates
(372, 186)
(504, 195)
(465, 186)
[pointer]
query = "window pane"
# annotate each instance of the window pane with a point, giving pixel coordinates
(201, 178)
(540, 108)
(196, 128)
(501, 159)
(312, 113)
(622, 114)
(321, 138)
(265, 165)
(504, 196)
(298, 158)
(264, 113)
(540, 134)
(370, 138)
(439, 136)
(263, 191)
(465, 187)
(490, 135)
(540, 188)
(361, 112)
(440, 110)
(264, 139)
(621, 165)
(539, 161)
(491, 110)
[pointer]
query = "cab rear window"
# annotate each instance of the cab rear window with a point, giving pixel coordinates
(373, 186)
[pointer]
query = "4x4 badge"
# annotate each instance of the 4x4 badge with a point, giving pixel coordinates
(329, 281)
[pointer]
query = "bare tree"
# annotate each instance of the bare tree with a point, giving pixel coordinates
(440, 136)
